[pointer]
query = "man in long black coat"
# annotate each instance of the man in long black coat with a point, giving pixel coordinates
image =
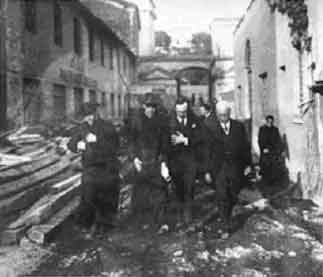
(186, 138)
(98, 142)
(212, 146)
(149, 142)
(272, 162)
(235, 160)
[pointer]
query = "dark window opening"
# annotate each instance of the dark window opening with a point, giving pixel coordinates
(119, 105)
(30, 9)
(78, 100)
(103, 99)
(31, 101)
(112, 104)
(92, 96)
(91, 45)
(118, 59)
(59, 102)
(77, 37)
(102, 52)
(111, 57)
(125, 63)
(58, 25)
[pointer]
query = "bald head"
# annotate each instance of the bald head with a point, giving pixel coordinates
(223, 111)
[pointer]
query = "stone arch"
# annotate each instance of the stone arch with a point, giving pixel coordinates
(179, 75)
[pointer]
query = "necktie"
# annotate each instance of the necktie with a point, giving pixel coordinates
(226, 129)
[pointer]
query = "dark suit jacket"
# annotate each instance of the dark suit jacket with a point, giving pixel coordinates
(213, 146)
(148, 137)
(235, 147)
(193, 131)
(104, 150)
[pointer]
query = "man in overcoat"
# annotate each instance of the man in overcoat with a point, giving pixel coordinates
(235, 160)
(98, 142)
(148, 149)
(272, 162)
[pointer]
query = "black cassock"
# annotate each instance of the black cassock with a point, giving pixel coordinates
(272, 163)
(100, 178)
(148, 142)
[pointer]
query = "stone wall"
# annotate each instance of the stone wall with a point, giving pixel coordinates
(279, 84)
(37, 57)
(258, 28)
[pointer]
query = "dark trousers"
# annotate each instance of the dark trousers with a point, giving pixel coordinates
(184, 171)
(149, 193)
(100, 195)
(229, 181)
(273, 169)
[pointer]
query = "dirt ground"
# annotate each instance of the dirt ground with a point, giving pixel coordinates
(267, 243)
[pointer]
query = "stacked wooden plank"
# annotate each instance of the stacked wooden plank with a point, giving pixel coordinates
(39, 190)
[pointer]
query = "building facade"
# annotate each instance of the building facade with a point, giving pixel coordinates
(274, 75)
(57, 55)
(221, 30)
(147, 32)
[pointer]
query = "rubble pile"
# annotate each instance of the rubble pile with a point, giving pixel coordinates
(39, 184)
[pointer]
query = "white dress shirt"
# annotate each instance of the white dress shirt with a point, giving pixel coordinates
(226, 127)
(180, 120)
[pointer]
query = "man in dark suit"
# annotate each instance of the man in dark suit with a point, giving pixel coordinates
(212, 148)
(98, 142)
(235, 160)
(149, 142)
(185, 140)
(271, 152)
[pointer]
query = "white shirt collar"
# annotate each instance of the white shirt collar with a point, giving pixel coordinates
(180, 120)
(226, 125)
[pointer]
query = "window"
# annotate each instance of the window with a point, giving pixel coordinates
(102, 52)
(30, 15)
(103, 99)
(118, 59)
(111, 57)
(58, 25)
(31, 101)
(78, 100)
(91, 45)
(112, 104)
(125, 63)
(77, 37)
(92, 96)
(59, 102)
(119, 105)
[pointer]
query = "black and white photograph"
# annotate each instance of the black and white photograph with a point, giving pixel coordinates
(163, 138)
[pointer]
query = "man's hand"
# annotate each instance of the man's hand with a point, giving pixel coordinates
(81, 146)
(247, 171)
(164, 172)
(138, 164)
(91, 138)
(208, 178)
(179, 138)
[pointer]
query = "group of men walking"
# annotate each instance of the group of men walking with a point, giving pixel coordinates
(168, 153)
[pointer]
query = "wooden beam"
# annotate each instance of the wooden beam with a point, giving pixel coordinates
(42, 175)
(40, 212)
(43, 233)
(28, 169)
(66, 183)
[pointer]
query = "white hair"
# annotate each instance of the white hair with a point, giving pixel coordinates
(223, 107)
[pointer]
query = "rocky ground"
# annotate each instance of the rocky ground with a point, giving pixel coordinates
(267, 243)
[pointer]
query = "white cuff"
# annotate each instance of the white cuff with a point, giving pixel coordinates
(185, 141)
